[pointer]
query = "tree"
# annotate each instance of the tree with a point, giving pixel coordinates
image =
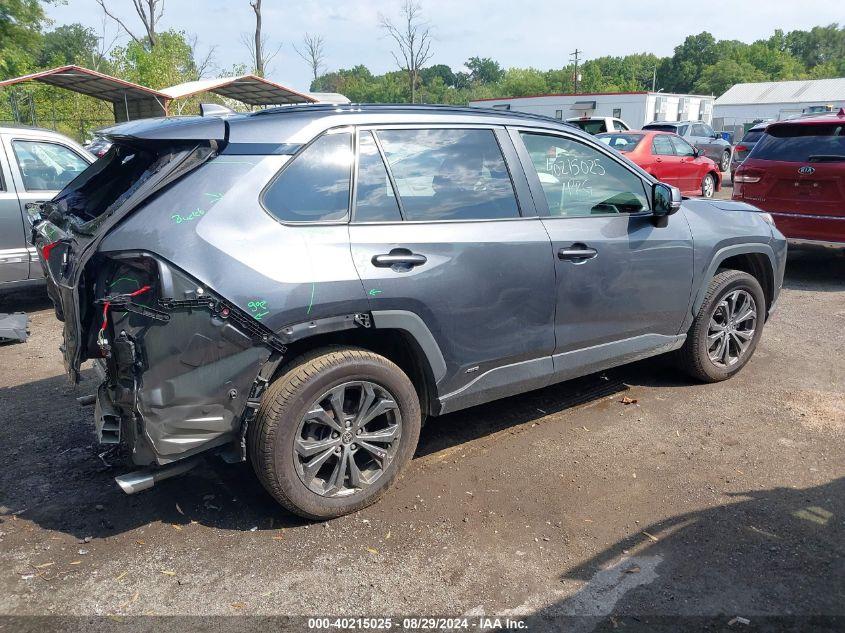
(170, 62)
(484, 70)
(68, 44)
(150, 12)
(257, 44)
(312, 53)
(680, 72)
(20, 35)
(412, 37)
(519, 82)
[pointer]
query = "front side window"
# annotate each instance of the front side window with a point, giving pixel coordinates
(698, 130)
(47, 166)
(374, 197)
(662, 146)
(578, 180)
(682, 148)
(449, 174)
(314, 187)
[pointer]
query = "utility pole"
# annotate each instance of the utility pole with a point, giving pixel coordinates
(654, 79)
(576, 56)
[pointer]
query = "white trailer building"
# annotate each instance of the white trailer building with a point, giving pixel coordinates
(635, 108)
(744, 104)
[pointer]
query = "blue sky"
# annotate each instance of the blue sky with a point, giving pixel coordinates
(539, 34)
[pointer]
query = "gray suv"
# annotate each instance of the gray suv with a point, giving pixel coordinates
(302, 287)
(700, 135)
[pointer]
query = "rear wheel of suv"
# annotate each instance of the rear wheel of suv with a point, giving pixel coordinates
(334, 431)
(726, 329)
(725, 162)
(708, 186)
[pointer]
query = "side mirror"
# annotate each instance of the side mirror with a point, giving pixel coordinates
(665, 200)
(696, 152)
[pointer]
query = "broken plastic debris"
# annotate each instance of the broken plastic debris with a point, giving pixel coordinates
(739, 620)
(627, 400)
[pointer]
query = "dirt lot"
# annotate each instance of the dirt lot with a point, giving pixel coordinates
(696, 500)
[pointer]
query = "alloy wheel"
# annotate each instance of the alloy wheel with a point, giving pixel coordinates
(347, 439)
(731, 329)
(708, 187)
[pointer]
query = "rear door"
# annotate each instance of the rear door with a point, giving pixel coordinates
(14, 256)
(450, 235)
(623, 285)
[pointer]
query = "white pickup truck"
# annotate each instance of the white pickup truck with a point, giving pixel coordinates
(599, 124)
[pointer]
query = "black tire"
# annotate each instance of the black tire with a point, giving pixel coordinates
(726, 162)
(708, 186)
(272, 436)
(694, 357)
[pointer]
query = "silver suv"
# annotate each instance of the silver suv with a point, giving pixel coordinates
(301, 287)
(34, 165)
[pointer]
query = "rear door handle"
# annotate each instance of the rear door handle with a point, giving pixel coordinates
(399, 258)
(577, 253)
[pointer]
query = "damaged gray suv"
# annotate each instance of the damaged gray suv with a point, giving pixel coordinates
(301, 287)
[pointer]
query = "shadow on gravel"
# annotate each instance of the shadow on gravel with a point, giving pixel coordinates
(57, 476)
(815, 268)
(25, 300)
(778, 552)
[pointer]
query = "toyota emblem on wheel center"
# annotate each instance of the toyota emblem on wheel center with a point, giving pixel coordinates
(806, 169)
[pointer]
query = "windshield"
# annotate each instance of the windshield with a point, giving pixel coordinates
(591, 126)
(660, 127)
(802, 143)
(621, 142)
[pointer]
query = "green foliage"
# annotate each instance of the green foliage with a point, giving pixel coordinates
(169, 62)
(20, 35)
(69, 44)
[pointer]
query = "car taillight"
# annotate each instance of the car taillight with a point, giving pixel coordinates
(47, 249)
(747, 176)
(741, 148)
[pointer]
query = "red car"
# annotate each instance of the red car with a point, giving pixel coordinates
(669, 158)
(796, 172)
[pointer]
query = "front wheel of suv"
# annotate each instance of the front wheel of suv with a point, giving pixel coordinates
(726, 329)
(334, 431)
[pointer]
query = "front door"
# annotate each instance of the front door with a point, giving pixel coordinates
(40, 168)
(666, 166)
(450, 235)
(14, 257)
(623, 284)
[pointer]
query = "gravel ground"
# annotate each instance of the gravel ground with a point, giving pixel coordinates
(696, 500)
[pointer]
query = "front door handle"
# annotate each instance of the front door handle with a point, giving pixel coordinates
(577, 253)
(399, 258)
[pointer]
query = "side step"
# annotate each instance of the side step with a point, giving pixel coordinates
(140, 480)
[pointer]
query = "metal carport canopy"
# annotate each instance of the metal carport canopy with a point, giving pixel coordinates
(248, 89)
(130, 101)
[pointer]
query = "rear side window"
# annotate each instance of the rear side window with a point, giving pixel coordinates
(314, 187)
(374, 197)
(752, 136)
(47, 166)
(802, 143)
(449, 174)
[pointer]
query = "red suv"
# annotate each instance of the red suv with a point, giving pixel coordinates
(796, 172)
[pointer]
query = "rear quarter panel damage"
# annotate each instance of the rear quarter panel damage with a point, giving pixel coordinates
(211, 227)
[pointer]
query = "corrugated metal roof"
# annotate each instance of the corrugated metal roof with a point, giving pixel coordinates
(802, 91)
(249, 89)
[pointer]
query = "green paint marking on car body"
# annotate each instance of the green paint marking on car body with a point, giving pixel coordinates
(374, 291)
(258, 309)
(177, 218)
(311, 301)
